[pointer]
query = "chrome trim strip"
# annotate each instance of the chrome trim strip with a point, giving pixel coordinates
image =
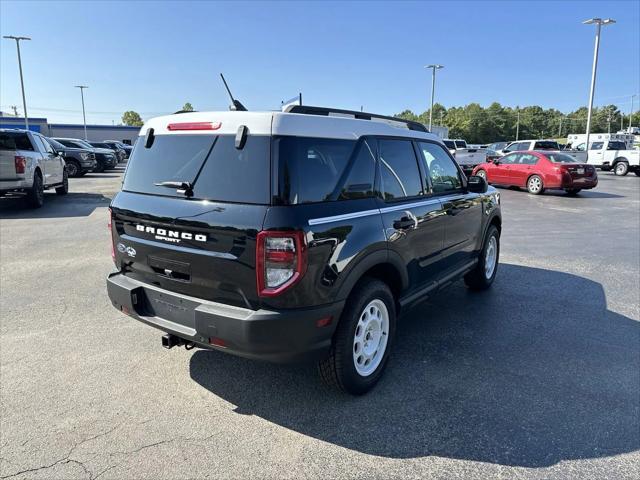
(346, 216)
(394, 208)
(177, 248)
(405, 206)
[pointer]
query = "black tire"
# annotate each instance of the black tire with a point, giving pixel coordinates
(35, 195)
(535, 186)
(73, 168)
(83, 173)
(64, 188)
(338, 369)
(99, 167)
(477, 279)
(637, 172)
(621, 169)
(573, 191)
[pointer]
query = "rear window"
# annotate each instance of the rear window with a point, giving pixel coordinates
(546, 146)
(216, 169)
(15, 141)
(560, 158)
(311, 169)
(449, 144)
(461, 144)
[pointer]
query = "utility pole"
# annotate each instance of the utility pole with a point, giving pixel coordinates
(631, 114)
(24, 102)
(560, 128)
(518, 126)
(433, 88)
(608, 120)
(441, 118)
(598, 22)
(84, 117)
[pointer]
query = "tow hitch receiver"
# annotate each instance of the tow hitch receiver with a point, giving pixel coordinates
(170, 341)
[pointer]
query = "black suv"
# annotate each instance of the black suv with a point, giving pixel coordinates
(295, 235)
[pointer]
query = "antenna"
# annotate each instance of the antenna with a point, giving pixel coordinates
(235, 104)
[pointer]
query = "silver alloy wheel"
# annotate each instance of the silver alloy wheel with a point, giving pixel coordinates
(535, 184)
(482, 173)
(620, 168)
(371, 336)
(491, 257)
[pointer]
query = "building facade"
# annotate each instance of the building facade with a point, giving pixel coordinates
(95, 133)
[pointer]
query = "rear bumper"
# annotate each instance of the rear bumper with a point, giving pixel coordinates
(282, 336)
(18, 184)
(582, 183)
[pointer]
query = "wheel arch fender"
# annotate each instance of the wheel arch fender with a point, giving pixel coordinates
(618, 160)
(377, 264)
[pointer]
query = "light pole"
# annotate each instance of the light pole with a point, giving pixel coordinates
(84, 118)
(24, 102)
(598, 22)
(518, 126)
(631, 114)
(433, 88)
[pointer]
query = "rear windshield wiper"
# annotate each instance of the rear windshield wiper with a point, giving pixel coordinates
(186, 188)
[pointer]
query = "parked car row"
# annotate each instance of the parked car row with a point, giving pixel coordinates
(31, 163)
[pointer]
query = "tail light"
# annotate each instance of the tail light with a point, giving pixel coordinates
(21, 163)
(113, 240)
(281, 260)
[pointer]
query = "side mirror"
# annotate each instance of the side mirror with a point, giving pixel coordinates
(477, 184)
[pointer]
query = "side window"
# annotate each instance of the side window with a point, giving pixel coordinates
(47, 146)
(510, 148)
(528, 159)
(399, 172)
(596, 146)
(510, 159)
(442, 171)
(580, 147)
(360, 174)
(39, 143)
(522, 146)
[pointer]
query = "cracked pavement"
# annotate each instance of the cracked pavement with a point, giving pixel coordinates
(536, 379)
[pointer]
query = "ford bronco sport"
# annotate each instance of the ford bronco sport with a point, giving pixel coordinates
(295, 235)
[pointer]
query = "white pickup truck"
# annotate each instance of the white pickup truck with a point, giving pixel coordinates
(29, 165)
(604, 154)
(612, 155)
(467, 158)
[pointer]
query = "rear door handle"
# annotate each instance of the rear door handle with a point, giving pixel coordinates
(408, 221)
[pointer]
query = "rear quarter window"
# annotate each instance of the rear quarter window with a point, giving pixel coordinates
(312, 169)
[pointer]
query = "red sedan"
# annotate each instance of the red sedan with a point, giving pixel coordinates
(537, 171)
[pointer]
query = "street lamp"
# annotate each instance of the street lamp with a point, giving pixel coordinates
(84, 118)
(631, 114)
(433, 88)
(598, 22)
(24, 102)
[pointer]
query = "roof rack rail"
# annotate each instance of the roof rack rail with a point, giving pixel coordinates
(325, 111)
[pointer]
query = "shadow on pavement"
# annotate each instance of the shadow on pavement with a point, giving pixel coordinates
(531, 373)
(55, 206)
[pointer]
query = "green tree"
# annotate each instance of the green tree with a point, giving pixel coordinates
(187, 107)
(132, 119)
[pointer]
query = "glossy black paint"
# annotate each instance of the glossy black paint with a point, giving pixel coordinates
(419, 244)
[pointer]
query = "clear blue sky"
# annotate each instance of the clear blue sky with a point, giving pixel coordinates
(154, 56)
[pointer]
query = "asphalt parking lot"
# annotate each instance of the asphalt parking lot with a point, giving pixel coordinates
(537, 378)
